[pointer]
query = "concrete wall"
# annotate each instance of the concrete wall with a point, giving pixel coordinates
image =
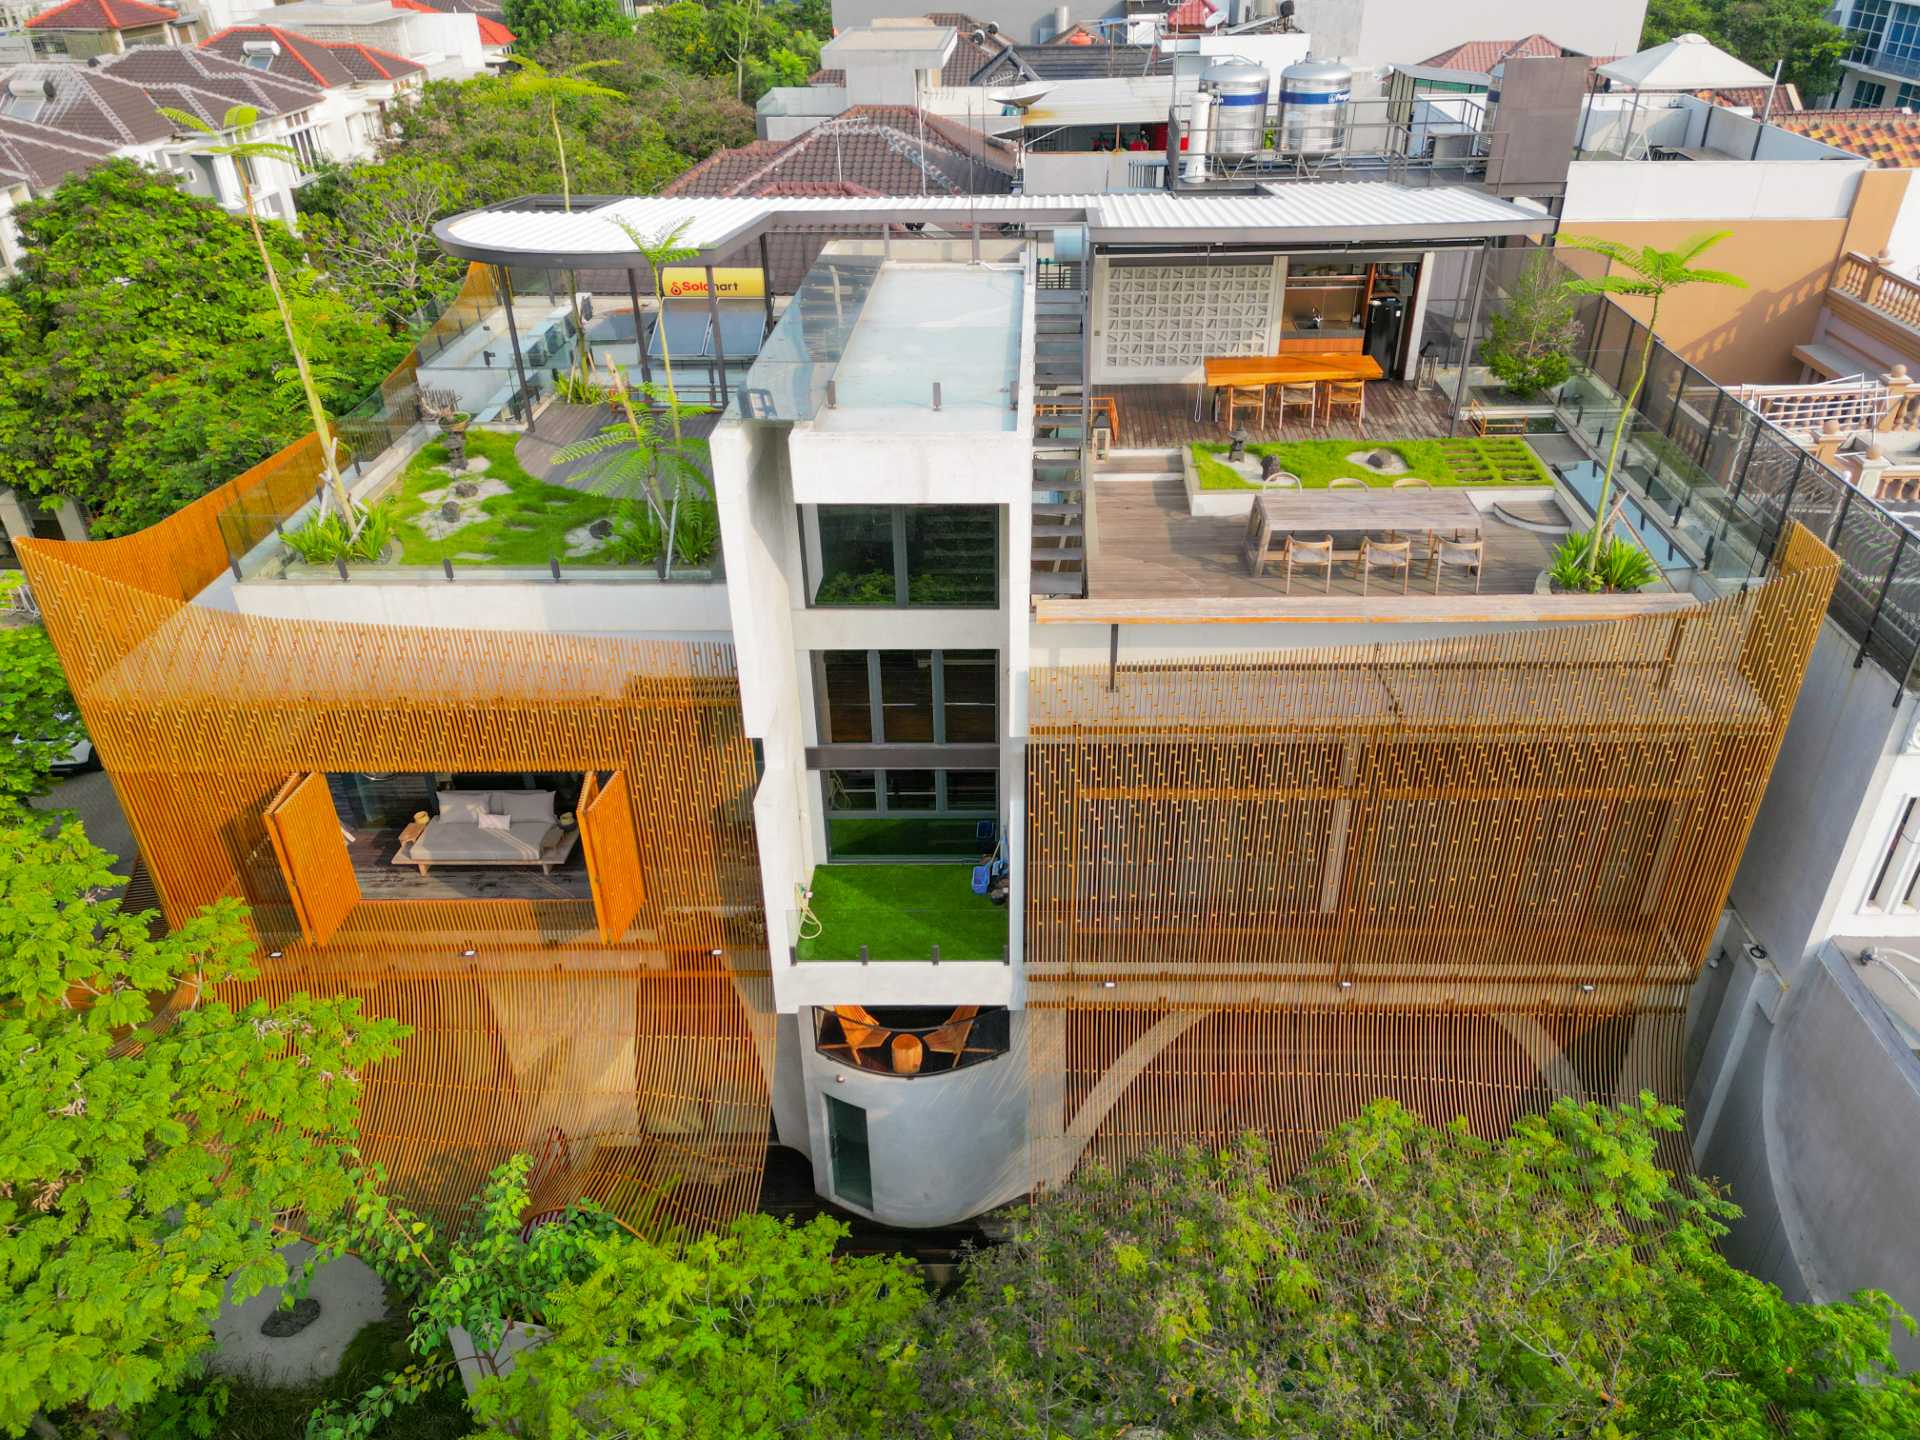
(630, 608)
(1815, 821)
(1735, 335)
(1815, 1120)
(944, 1147)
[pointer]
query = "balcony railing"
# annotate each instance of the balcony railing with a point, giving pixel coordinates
(911, 1042)
(1887, 63)
(1862, 278)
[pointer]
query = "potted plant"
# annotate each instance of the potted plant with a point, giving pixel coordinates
(1530, 343)
(442, 407)
(1621, 567)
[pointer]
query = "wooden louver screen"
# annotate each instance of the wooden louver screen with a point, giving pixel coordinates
(612, 844)
(305, 830)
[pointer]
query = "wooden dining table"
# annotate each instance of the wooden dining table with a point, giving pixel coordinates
(1297, 369)
(1334, 512)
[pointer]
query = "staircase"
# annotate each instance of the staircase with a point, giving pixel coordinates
(1060, 430)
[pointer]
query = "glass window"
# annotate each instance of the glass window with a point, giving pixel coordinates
(1866, 26)
(969, 691)
(952, 554)
(911, 790)
(1903, 34)
(906, 697)
(852, 789)
(973, 790)
(856, 556)
(846, 698)
(1868, 95)
(1907, 97)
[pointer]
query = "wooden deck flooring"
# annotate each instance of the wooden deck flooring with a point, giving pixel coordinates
(1148, 547)
(1160, 416)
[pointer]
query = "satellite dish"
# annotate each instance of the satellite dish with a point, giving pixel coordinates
(1020, 97)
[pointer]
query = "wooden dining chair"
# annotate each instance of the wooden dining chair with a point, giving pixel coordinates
(1233, 397)
(1384, 555)
(1347, 394)
(1309, 552)
(1412, 482)
(1347, 482)
(1305, 393)
(1462, 554)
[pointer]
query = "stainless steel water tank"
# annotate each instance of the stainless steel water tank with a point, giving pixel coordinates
(1239, 89)
(1313, 106)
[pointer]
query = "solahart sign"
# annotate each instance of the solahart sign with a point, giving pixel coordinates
(684, 282)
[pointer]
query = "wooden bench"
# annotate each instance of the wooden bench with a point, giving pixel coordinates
(1486, 423)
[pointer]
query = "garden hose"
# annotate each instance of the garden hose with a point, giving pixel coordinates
(809, 927)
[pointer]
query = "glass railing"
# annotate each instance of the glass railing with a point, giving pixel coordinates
(789, 378)
(911, 1041)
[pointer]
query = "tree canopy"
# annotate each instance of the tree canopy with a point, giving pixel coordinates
(1762, 33)
(39, 725)
(138, 1179)
(144, 362)
(1411, 1281)
(537, 22)
(754, 46)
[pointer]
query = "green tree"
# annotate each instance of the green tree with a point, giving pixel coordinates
(754, 45)
(757, 1333)
(1530, 341)
(39, 725)
(137, 303)
(1762, 33)
(1410, 1281)
(698, 112)
(374, 238)
(1652, 275)
(536, 22)
(139, 1179)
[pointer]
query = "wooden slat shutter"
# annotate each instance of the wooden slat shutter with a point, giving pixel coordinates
(305, 830)
(612, 844)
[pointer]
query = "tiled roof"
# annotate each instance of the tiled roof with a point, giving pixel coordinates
(1069, 62)
(492, 32)
(1190, 15)
(44, 156)
(487, 9)
(1889, 138)
(827, 77)
(1478, 57)
(1754, 97)
(206, 84)
(91, 103)
(880, 149)
(327, 63)
(102, 15)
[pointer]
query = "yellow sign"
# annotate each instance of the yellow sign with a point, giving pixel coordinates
(685, 282)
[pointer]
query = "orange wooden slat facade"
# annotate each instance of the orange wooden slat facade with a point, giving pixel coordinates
(305, 830)
(613, 854)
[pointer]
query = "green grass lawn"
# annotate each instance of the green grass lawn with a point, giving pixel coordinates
(900, 912)
(1498, 460)
(525, 526)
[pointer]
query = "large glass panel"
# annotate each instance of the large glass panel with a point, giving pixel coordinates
(742, 325)
(910, 790)
(969, 679)
(973, 790)
(906, 696)
(851, 789)
(911, 835)
(683, 330)
(856, 556)
(952, 554)
(846, 708)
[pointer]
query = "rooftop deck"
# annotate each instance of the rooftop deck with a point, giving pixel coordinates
(1156, 417)
(1146, 546)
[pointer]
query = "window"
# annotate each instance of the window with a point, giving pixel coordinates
(305, 150)
(1907, 97)
(940, 556)
(1896, 884)
(910, 814)
(1869, 95)
(1866, 26)
(907, 697)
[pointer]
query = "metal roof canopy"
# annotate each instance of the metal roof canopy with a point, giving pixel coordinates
(531, 231)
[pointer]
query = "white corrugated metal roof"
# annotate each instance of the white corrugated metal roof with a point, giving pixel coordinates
(1284, 213)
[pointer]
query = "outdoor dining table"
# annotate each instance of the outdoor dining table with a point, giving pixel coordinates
(1334, 512)
(1296, 369)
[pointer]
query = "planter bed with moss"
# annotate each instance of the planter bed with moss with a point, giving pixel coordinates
(1505, 463)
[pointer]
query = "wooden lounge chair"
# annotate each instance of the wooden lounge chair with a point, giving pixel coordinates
(863, 1032)
(1234, 397)
(951, 1038)
(1307, 394)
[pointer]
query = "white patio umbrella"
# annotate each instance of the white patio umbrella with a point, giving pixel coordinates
(1686, 62)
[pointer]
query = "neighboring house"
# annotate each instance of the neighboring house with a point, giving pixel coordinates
(82, 29)
(360, 81)
(1882, 68)
(61, 118)
(449, 45)
(33, 160)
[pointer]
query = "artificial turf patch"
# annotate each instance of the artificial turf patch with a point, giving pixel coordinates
(900, 912)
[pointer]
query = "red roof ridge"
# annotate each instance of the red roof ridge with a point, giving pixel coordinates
(281, 38)
(140, 13)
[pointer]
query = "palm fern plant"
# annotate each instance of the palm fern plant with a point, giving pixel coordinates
(660, 251)
(633, 460)
(1651, 275)
(239, 120)
(532, 79)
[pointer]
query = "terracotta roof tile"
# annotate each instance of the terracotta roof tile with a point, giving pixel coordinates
(86, 101)
(1889, 138)
(883, 149)
(827, 77)
(44, 156)
(327, 63)
(206, 84)
(1478, 57)
(102, 15)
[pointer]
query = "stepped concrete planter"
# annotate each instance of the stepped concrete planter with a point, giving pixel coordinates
(1212, 502)
(477, 1365)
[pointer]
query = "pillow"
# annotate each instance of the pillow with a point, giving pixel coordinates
(532, 805)
(496, 822)
(463, 806)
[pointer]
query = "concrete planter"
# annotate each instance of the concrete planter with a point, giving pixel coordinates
(1236, 503)
(477, 1365)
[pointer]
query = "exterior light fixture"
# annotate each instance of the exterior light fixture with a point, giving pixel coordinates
(1346, 984)
(1107, 984)
(716, 952)
(275, 954)
(468, 953)
(1586, 988)
(839, 1079)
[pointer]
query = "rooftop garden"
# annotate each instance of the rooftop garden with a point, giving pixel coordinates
(900, 912)
(1467, 460)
